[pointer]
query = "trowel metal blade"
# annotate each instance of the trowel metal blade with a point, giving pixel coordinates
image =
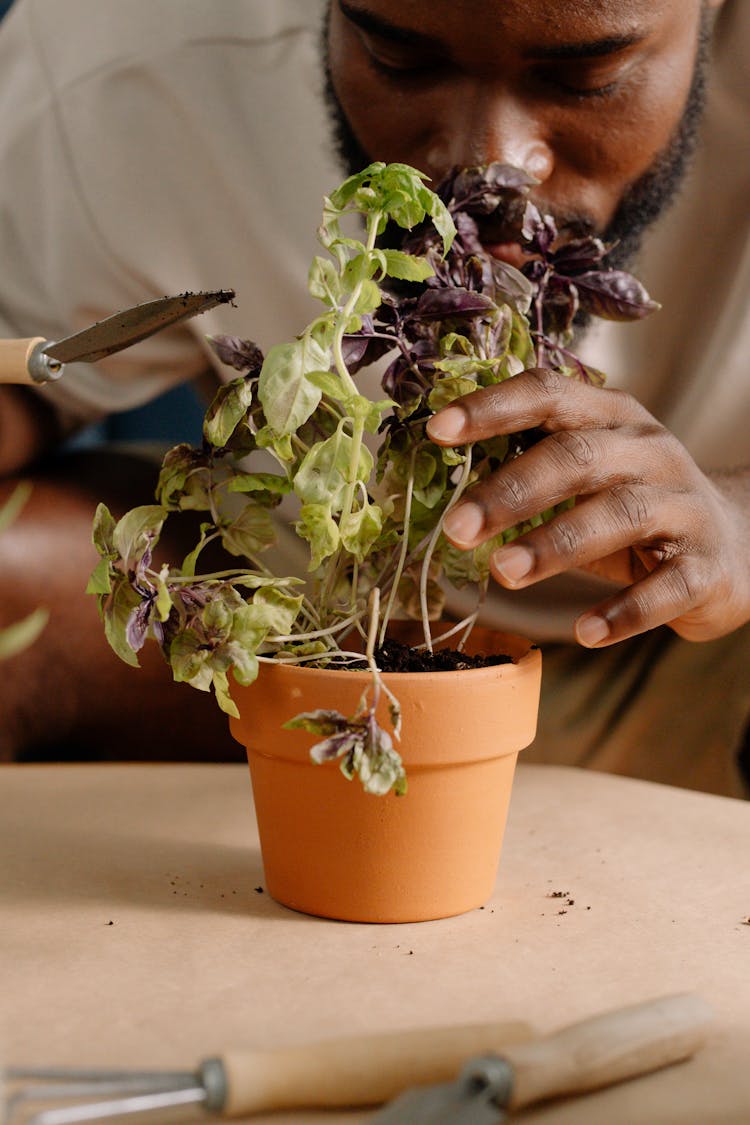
(132, 325)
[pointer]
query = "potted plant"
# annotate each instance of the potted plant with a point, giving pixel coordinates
(307, 668)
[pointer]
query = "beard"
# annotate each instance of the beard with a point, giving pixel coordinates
(643, 201)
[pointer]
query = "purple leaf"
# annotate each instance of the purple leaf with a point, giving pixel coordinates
(361, 350)
(437, 304)
(336, 746)
(136, 629)
(243, 355)
(318, 722)
(578, 255)
(614, 295)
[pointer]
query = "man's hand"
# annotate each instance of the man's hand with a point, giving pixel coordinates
(645, 514)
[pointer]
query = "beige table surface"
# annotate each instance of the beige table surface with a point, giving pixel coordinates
(133, 930)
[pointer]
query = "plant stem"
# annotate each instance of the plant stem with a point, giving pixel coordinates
(404, 547)
(344, 315)
(452, 631)
(424, 576)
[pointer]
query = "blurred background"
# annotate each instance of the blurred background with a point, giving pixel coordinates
(176, 416)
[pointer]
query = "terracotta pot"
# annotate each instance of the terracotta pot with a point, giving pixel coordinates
(333, 850)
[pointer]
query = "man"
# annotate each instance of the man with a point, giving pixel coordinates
(158, 146)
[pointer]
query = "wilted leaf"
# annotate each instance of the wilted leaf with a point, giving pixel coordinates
(360, 529)
(288, 397)
(250, 532)
(318, 527)
(229, 406)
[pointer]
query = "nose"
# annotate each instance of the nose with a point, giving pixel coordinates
(488, 123)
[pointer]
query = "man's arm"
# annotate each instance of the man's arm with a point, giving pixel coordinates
(28, 428)
(646, 516)
(68, 695)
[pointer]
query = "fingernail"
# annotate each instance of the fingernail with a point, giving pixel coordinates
(513, 563)
(464, 523)
(592, 630)
(448, 425)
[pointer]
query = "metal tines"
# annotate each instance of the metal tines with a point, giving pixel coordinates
(28, 1090)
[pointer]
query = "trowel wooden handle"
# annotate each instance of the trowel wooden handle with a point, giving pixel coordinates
(14, 360)
(608, 1048)
(358, 1070)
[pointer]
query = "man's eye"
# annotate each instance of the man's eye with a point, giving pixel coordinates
(583, 82)
(589, 91)
(394, 60)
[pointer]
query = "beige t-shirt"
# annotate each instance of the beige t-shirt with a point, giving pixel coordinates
(154, 146)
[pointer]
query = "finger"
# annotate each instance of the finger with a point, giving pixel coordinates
(566, 464)
(537, 397)
(600, 527)
(677, 588)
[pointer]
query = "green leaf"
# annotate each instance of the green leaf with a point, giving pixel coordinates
(278, 608)
(117, 610)
(245, 665)
(102, 533)
(323, 476)
(407, 267)
(288, 397)
(223, 698)
(100, 581)
(324, 282)
(318, 527)
(329, 383)
(360, 529)
(450, 388)
(259, 482)
(229, 406)
(188, 658)
(440, 216)
(342, 196)
(18, 636)
(367, 412)
(184, 479)
(282, 446)
(369, 298)
(250, 532)
(137, 531)
(163, 597)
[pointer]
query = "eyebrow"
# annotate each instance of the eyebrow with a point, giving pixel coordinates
(367, 21)
(585, 49)
(588, 48)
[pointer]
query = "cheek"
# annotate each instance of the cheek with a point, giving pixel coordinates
(596, 163)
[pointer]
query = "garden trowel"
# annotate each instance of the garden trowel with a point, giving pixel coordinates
(585, 1056)
(35, 360)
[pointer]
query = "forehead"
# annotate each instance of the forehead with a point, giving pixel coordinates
(492, 24)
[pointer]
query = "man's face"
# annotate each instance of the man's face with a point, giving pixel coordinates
(598, 99)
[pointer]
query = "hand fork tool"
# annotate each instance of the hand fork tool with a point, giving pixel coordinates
(35, 360)
(344, 1073)
(364, 1070)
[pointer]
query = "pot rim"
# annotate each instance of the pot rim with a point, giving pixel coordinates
(530, 656)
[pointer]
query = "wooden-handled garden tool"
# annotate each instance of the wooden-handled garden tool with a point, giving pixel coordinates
(35, 360)
(371, 1070)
